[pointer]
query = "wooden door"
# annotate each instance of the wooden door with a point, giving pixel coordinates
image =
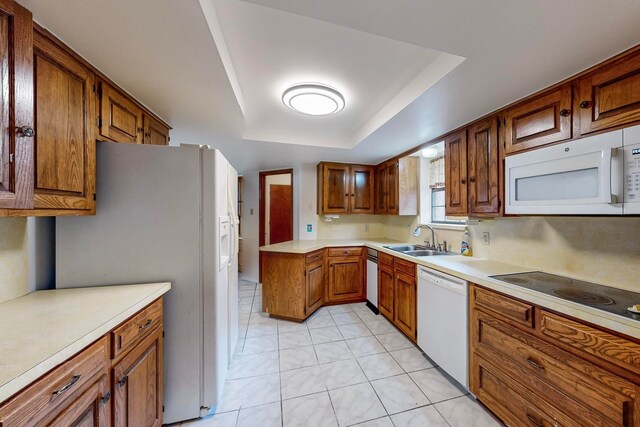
(483, 167)
(65, 146)
(155, 133)
(90, 409)
(16, 106)
(455, 173)
(314, 279)
(335, 188)
(610, 96)
(393, 201)
(404, 310)
(280, 214)
(362, 189)
(137, 385)
(542, 120)
(346, 278)
(381, 189)
(120, 118)
(385, 290)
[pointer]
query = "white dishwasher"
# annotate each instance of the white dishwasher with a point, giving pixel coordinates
(443, 322)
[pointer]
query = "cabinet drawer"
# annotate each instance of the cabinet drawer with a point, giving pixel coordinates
(45, 396)
(385, 259)
(511, 309)
(345, 251)
(611, 348)
(136, 328)
(554, 374)
(512, 402)
(406, 267)
(314, 256)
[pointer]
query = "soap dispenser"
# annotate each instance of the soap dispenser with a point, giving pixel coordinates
(465, 247)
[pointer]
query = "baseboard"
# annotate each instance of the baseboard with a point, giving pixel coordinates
(373, 307)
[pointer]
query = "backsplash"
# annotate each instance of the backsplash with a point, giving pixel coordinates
(352, 227)
(603, 250)
(13, 258)
(401, 228)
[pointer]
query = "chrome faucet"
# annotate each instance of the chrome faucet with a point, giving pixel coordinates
(416, 233)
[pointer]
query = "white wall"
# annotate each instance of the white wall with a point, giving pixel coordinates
(14, 257)
(305, 194)
(250, 215)
(282, 179)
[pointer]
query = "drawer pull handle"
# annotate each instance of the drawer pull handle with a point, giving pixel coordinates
(535, 364)
(534, 421)
(67, 386)
(106, 397)
(146, 324)
(123, 381)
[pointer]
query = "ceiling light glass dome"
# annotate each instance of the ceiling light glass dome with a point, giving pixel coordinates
(313, 99)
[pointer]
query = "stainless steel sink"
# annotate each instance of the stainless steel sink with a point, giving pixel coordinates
(426, 252)
(407, 248)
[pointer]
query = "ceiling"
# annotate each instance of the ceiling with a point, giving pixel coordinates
(410, 69)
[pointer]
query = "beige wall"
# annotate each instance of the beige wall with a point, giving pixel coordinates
(352, 227)
(14, 257)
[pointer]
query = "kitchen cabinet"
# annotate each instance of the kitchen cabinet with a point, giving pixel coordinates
(155, 132)
(120, 118)
(483, 167)
(347, 282)
(609, 96)
(65, 146)
(314, 281)
(405, 297)
(542, 120)
(345, 189)
(100, 383)
(137, 378)
(397, 187)
(385, 285)
(534, 367)
(455, 161)
(16, 102)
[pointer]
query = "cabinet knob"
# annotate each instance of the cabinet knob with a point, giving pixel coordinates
(472, 179)
(463, 181)
(123, 381)
(106, 397)
(565, 112)
(585, 104)
(26, 131)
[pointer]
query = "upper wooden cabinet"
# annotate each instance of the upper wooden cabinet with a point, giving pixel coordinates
(155, 132)
(483, 167)
(64, 141)
(120, 118)
(545, 119)
(397, 187)
(610, 96)
(16, 103)
(344, 188)
(455, 160)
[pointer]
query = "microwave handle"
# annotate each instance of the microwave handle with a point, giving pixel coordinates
(610, 171)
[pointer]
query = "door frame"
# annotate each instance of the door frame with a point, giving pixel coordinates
(262, 205)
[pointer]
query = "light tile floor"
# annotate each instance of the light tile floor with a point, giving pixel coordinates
(344, 366)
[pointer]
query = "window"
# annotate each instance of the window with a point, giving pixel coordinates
(437, 205)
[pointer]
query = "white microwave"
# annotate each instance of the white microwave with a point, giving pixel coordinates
(597, 175)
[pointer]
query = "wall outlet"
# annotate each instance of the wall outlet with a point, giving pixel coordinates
(366, 227)
(310, 206)
(486, 238)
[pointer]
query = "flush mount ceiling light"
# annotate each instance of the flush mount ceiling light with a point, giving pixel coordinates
(313, 99)
(429, 153)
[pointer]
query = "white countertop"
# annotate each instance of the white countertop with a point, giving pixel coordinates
(478, 270)
(42, 329)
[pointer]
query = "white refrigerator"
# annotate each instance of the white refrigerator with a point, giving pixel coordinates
(166, 214)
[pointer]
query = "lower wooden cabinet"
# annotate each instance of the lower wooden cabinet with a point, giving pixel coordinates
(137, 383)
(94, 388)
(347, 278)
(529, 376)
(397, 293)
(314, 286)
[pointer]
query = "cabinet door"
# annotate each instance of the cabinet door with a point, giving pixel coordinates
(483, 167)
(137, 385)
(314, 279)
(392, 188)
(610, 96)
(16, 104)
(64, 142)
(346, 278)
(385, 290)
(335, 188)
(120, 118)
(455, 173)
(91, 409)
(155, 133)
(543, 120)
(405, 304)
(381, 190)
(362, 189)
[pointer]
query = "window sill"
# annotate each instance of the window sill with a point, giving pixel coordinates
(452, 227)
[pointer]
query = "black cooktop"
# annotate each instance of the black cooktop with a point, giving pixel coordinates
(600, 297)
